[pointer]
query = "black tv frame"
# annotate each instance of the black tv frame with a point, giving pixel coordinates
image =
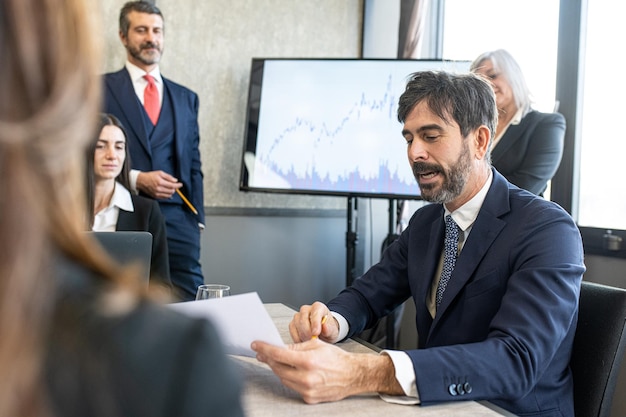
(254, 110)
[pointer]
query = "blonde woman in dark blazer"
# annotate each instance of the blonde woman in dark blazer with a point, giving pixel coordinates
(528, 145)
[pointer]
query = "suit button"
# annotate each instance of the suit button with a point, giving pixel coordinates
(460, 389)
(452, 390)
(468, 387)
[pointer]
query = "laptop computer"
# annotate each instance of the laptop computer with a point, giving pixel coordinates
(128, 247)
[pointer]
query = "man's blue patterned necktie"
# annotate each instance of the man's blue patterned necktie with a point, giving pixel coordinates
(451, 248)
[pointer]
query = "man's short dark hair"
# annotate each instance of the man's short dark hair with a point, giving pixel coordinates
(140, 6)
(467, 98)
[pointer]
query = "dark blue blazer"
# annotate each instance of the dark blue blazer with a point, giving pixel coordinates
(121, 100)
(529, 153)
(505, 327)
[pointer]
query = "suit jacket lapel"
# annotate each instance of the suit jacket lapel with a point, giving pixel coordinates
(125, 221)
(510, 137)
(124, 92)
(485, 229)
(433, 254)
(428, 268)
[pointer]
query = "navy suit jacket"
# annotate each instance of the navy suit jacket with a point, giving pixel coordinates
(504, 329)
(529, 153)
(147, 217)
(121, 100)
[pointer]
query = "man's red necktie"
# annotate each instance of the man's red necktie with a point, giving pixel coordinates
(151, 99)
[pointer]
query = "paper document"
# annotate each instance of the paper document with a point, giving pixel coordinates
(239, 319)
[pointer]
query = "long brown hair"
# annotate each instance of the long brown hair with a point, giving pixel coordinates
(50, 94)
(90, 178)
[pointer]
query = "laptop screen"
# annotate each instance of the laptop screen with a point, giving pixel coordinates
(128, 247)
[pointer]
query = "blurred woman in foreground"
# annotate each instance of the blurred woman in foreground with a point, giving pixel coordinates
(76, 336)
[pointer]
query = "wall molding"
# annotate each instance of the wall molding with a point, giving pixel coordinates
(273, 212)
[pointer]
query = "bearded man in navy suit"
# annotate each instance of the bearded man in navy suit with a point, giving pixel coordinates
(165, 157)
(498, 322)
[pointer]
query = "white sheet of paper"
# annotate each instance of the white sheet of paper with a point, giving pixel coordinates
(239, 319)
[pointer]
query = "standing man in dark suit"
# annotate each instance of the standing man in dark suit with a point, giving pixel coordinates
(496, 300)
(161, 118)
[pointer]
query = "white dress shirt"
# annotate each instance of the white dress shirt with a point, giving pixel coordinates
(106, 219)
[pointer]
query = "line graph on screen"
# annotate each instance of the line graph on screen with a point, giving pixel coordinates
(330, 126)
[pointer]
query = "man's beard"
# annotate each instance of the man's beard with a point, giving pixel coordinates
(146, 59)
(454, 181)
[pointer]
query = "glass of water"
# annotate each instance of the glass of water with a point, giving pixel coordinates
(207, 291)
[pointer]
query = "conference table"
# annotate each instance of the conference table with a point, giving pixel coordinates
(265, 396)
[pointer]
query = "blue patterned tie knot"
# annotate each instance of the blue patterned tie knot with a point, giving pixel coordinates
(451, 248)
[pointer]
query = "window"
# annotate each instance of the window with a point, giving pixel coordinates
(473, 27)
(589, 182)
(602, 192)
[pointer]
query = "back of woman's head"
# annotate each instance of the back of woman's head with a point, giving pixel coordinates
(504, 63)
(50, 92)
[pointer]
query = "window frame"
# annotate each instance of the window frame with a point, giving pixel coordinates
(569, 89)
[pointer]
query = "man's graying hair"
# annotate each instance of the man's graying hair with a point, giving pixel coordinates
(467, 98)
(140, 6)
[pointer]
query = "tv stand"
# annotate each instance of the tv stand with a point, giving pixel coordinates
(351, 240)
(384, 334)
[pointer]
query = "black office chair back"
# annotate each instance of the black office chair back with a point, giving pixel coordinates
(598, 348)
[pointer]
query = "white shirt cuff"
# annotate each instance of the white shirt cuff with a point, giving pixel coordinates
(405, 375)
(343, 325)
(402, 364)
(134, 173)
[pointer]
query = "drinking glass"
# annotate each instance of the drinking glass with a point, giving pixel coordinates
(207, 291)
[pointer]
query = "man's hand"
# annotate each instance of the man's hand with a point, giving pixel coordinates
(157, 184)
(313, 321)
(321, 372)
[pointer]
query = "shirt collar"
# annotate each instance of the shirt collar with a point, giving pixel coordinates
(121, 198)
(137, 73)
(518, 117)
(465, 215)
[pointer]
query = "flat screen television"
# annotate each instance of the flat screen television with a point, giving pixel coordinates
(330, 127)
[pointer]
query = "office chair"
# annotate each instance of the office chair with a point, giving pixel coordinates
(598, 348)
